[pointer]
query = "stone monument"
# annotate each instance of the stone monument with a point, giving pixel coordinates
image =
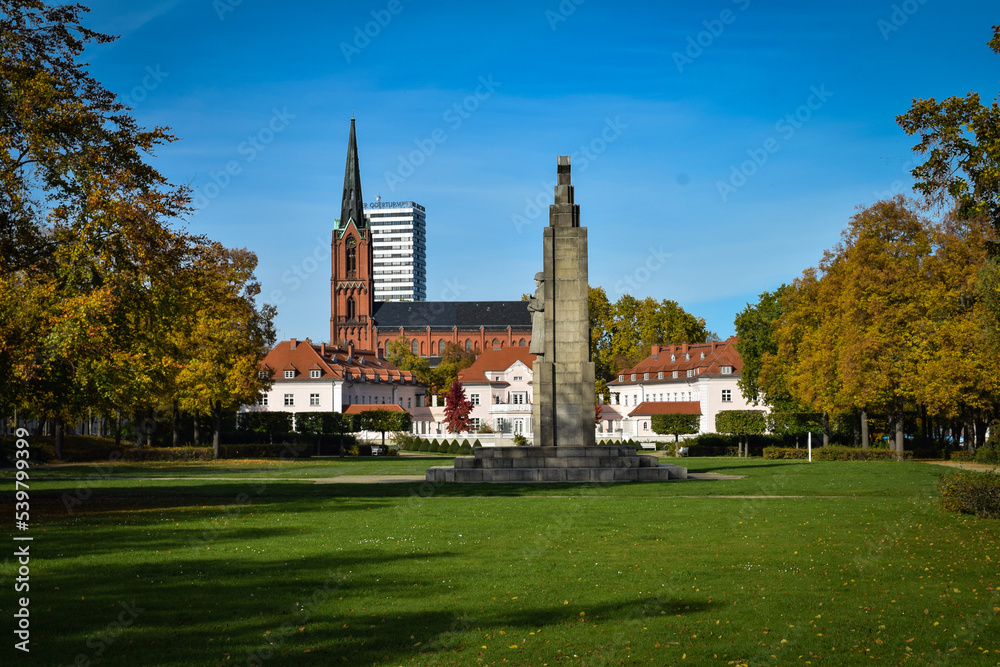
(563, 377)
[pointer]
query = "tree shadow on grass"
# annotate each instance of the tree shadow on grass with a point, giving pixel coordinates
(356, 608)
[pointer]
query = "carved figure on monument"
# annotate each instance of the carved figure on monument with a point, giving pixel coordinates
(536, 306)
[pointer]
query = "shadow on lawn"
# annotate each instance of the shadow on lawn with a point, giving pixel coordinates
(355, 608)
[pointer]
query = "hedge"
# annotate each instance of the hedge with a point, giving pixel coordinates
(454, 448)
(465, 449)
(425, 446)
(841, 453)
(989, 453)
(443, 447)
(971, 493)
(785, 453)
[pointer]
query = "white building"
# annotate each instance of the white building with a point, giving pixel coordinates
(307, 377)
(399, 237)
(703, 376)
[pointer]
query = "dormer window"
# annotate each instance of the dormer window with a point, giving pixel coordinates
(674, 375)
(702, 355)
(262, 375)
(690, 372)
(633, 377)
(687, 357)
(621, 378)
(727, 370)
(289, 375)
(673, 358)
(315, 373)
(645, 376)
(659, 376)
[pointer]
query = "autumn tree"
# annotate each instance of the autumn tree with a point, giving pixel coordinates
(85, 247)
(454, 358)
(457, 409)
(223, 335)
(755, 342)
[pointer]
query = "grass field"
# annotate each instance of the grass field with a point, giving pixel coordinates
(796, 564)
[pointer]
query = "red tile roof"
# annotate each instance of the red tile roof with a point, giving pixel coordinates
(495, 360)
(666, 408)
(685, 357)
(334, 363)
(358, 408)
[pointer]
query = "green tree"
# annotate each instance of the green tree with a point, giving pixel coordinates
(325, 423)
(385, 420)
(961, 138)
(755, 341)
(741, 423)
(454, 358)
(675, 425)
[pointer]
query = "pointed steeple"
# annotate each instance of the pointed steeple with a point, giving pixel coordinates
(352, 207)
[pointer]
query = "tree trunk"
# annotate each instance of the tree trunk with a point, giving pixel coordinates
(59, 434)
(970, 431)
(118, 429)
(176, 423)
(197, 429)
(139, 427)
(864, 429)
(216, 427)
(899, 428)
(855, 431)
(826, 429)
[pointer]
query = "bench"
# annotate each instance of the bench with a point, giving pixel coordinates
(648, 445)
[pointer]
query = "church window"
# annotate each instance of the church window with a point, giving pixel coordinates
(520, 343)
(496, 343)
(350, 309)
(352, 257)
(468, 345)
(415, 347)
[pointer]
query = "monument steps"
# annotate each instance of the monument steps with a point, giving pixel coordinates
(556, 464)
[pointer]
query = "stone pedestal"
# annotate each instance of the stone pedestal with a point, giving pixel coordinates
(565, 463)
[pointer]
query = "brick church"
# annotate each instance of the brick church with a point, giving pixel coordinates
(358, 320)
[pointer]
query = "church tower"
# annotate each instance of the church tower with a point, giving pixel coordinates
(352, 290)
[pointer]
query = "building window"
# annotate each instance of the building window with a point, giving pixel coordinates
(314, 400)
(621, 378)
(409, 402)
(690, 372)
(262, 400)
(727, 395)
(519, 398)
(475, 423)
(351, 312)
(474, 399)
(352, 257)
(727, 370)
(496, 343)
(262, 375)
(633, 377)
(415, 347)
(468, 345)
(520, 343)
(674, 375)
(289, 400)
(645, 426)
(289, 375)
(314, 374)
(659, 376)
(645, 376)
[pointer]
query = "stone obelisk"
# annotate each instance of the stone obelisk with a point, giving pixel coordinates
(563, 380)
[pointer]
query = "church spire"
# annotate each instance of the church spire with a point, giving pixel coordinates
(352, 207)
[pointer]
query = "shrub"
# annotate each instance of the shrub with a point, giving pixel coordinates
(465, 449)
(989, 453)
(170, 454)
(971, 493)
(454, 448)
(520, 440)
(785, 453)
(286, 451)
(476, 444)
(841, 453)
(425, 446)
(392, 452)
(352, 450)
(962, 455)
(443, 447)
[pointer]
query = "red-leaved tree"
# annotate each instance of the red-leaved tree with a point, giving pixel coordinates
(457, 409)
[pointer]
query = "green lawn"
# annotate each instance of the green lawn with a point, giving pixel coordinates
(797, 563)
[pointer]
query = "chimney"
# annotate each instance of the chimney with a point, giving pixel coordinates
(350, 350)
(322, 350)
(684, 348)
(656, 350)
(292, 343)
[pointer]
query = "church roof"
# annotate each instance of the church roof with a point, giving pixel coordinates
(352, 203)
(461, 314)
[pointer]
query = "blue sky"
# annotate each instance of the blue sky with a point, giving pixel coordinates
(718, 147)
